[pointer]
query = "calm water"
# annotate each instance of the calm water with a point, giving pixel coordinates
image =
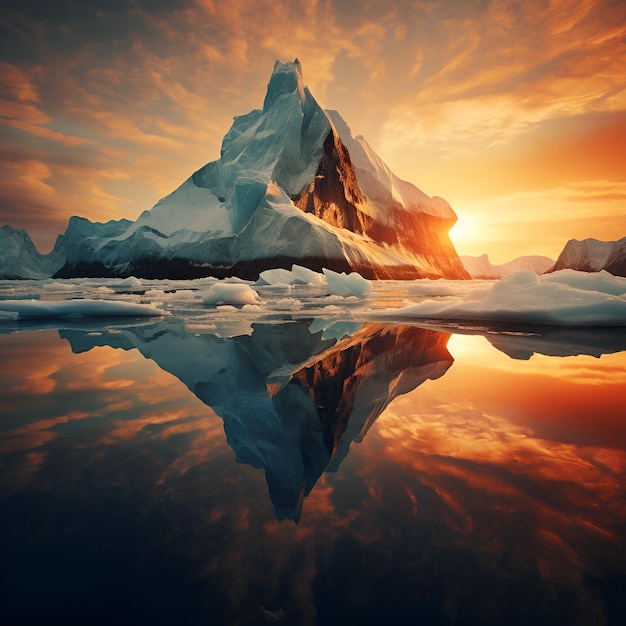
(358, 474)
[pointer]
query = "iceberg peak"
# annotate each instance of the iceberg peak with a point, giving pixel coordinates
(286, 78)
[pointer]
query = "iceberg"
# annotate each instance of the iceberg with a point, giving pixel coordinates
(291, 186)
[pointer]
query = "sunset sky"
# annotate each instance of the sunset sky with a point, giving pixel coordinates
(514, 111)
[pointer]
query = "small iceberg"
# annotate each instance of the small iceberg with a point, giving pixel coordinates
(236, 294)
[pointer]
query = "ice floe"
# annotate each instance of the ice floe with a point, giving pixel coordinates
(44, 309)
(562, 299)
(346, 284)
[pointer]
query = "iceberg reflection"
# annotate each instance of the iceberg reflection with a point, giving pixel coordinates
(292, 396)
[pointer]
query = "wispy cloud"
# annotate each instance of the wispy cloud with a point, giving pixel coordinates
(17, 83)
(510, 69)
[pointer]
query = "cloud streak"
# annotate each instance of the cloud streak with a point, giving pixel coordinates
(511, 69)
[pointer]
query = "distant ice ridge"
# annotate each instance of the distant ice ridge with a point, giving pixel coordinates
(565, 298)
(591, 255)
(19, 258)
(482, 267)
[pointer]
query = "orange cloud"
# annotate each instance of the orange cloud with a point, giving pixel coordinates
(498, 81)
(16, 82)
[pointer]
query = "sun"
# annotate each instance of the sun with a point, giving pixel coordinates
(466, 233)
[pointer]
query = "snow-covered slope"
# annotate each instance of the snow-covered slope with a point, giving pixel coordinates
(482, 267)
(19, 258)
(591, 255)
(285, 190)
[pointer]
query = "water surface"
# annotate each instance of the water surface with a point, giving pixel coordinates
(311, 473)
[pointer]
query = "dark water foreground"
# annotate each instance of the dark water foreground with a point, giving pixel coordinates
(310, 473)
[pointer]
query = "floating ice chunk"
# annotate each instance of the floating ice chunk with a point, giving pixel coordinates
(297, 276)
(278, 276)
(340, 300)
(331, 309)
(231, 293)
(523, 297)
(129, 283)
(154, 293)
(306, 276)
(346, 285)
(440, 287)
(38, 309)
